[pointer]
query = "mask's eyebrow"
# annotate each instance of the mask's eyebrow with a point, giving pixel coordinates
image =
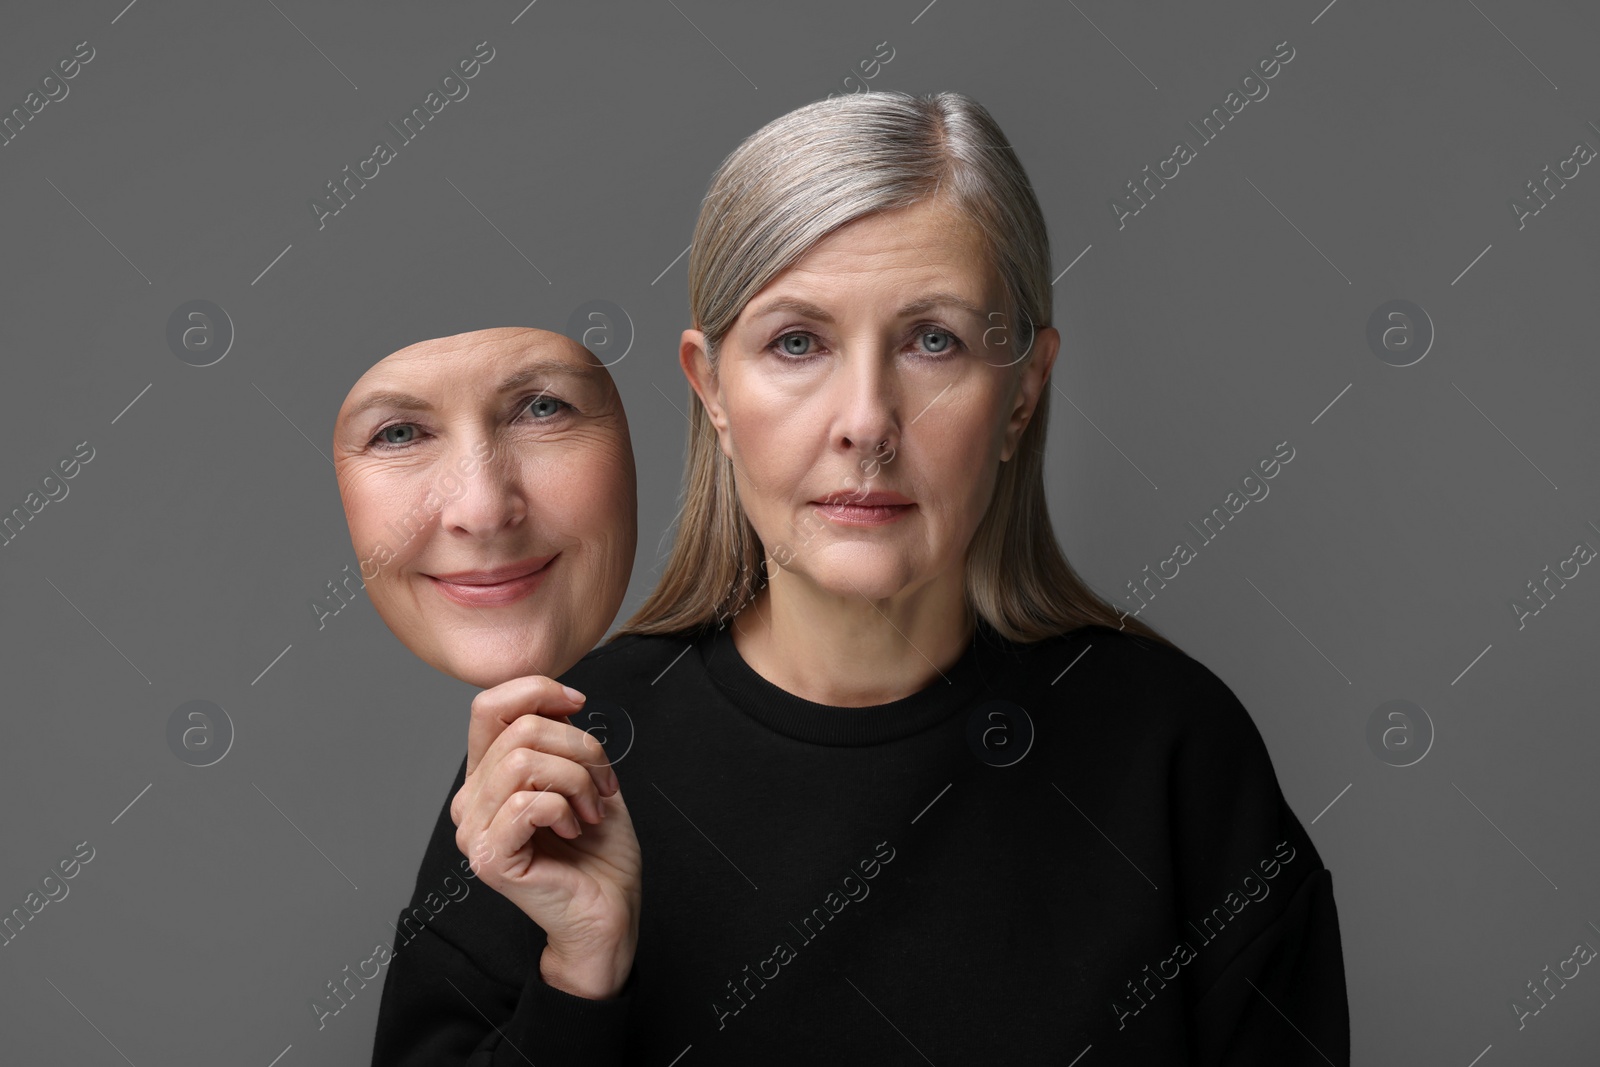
(539, 369)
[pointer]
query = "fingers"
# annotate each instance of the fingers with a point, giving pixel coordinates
(496, 708)
(544, 753)
(513, 824)
(559, 738)
(531, 770)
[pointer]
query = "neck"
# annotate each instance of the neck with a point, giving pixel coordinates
(849, 651)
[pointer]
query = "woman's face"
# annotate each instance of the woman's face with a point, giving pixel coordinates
(875, 375)
(488, 482)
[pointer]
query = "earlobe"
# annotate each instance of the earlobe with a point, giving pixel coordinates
(1035, 379)
(697, 368)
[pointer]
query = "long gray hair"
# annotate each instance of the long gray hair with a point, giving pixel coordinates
(788, 185)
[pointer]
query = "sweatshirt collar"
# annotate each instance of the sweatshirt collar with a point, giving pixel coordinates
(826, 724)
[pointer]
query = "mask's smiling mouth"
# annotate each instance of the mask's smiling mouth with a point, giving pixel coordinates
(493, 586)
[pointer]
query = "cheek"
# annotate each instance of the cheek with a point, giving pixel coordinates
(750, 420)
(956, 467)
(775, 445)
(589, 495)
(397, 513)
(373, 499)
(962, 439)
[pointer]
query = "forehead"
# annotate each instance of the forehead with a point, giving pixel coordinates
(480, 364)
(918, 258)
(478, 355)
(930, 237)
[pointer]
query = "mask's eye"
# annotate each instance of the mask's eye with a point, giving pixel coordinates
(543, 408)
(400, 433)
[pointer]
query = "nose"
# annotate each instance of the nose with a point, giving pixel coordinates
(489, 496)
(867, 396)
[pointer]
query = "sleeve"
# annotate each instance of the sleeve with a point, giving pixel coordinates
(438, 1008)
(465, 988)
(1271, 989)
(1282, 1000)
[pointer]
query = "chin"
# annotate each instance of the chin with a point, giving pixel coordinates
(874, 583)
(486, 659)
(487, 675)
(855, 569)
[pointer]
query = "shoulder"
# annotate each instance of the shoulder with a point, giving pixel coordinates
(1155, 688)
(625, 662)
(1135, 714)
(1139, 718)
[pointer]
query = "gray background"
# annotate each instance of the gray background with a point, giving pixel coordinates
(1229, 315)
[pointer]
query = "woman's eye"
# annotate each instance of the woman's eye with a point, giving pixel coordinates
(407, 433)
(795, 344)
(936, 341)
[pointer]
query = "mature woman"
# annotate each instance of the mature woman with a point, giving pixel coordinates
(905, 790)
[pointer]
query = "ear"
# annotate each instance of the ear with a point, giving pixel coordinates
(1031, 384)
(697, 368)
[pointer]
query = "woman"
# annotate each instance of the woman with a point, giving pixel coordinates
(905, 789)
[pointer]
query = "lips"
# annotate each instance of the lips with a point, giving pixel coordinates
(494, 586)
(877, 508)
(876, 498)
(495, 575)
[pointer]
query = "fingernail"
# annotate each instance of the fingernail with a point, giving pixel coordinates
(572, 694)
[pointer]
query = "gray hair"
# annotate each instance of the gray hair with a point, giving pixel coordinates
(834, 161)
(788, 185)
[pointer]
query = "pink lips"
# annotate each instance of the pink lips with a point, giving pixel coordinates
(493, 587)
(863, 509)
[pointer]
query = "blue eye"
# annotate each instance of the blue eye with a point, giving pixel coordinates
(538, 408)
(795, 344)
(382, 435)
(799, 345)
(548, 404)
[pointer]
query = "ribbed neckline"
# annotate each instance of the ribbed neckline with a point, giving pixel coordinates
(826, 724)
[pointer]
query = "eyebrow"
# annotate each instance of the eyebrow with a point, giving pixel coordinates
(916, 307)
(544, 368)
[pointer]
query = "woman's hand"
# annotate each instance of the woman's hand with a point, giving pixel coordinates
(528, 770)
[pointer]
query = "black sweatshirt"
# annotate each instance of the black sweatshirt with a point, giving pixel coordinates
(1071, 847)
